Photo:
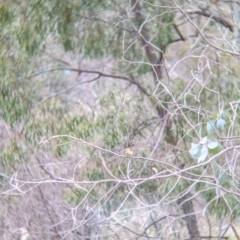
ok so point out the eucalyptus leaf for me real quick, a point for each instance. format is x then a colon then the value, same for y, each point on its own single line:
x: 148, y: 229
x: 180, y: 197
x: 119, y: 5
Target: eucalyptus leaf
x: 210, y: 126
x: 195, y: 148
x: 204, y: 140
x: 212, y: 144
x: 216, y: 150
x: 221, y: 123
x: 204, y: 153
x: 221, y: 114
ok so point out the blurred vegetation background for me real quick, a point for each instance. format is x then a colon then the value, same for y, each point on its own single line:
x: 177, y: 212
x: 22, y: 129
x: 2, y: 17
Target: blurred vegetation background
x: 119, y: 119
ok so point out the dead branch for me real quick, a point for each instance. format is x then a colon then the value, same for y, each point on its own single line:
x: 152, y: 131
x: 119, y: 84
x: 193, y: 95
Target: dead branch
x: 218, y: 19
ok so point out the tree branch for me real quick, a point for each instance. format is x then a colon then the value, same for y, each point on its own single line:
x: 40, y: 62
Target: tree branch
x: 100, y: 74
x: 201, y: 34
x: 220, y: 20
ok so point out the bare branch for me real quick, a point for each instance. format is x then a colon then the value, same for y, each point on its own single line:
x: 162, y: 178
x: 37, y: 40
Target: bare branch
x: 218, y: 19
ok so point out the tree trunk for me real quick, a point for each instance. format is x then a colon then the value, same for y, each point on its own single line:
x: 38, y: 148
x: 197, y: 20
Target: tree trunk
x: 156, y: 59
x: 154, y: 56
x: 189, y: 216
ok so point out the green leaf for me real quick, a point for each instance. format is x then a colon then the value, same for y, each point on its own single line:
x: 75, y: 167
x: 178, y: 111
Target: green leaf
x: 216, y: 150
x: 221, y: 114
x: 204, y: 153
x: 221, y: 123
x: 199, y: 151
x: 213, y: 144
x: 195, y: 150
x: 203, y: 141
x: 210, y: 126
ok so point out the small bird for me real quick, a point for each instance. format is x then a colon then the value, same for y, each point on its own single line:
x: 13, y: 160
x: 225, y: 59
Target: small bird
x: 128, y: 152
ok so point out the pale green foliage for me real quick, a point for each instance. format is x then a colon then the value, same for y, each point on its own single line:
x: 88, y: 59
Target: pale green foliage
x: 90, y: 125
x: 200, y: 150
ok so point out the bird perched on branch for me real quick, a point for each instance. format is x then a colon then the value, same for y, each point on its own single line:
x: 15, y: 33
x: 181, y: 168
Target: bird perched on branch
x: 128, y: 152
